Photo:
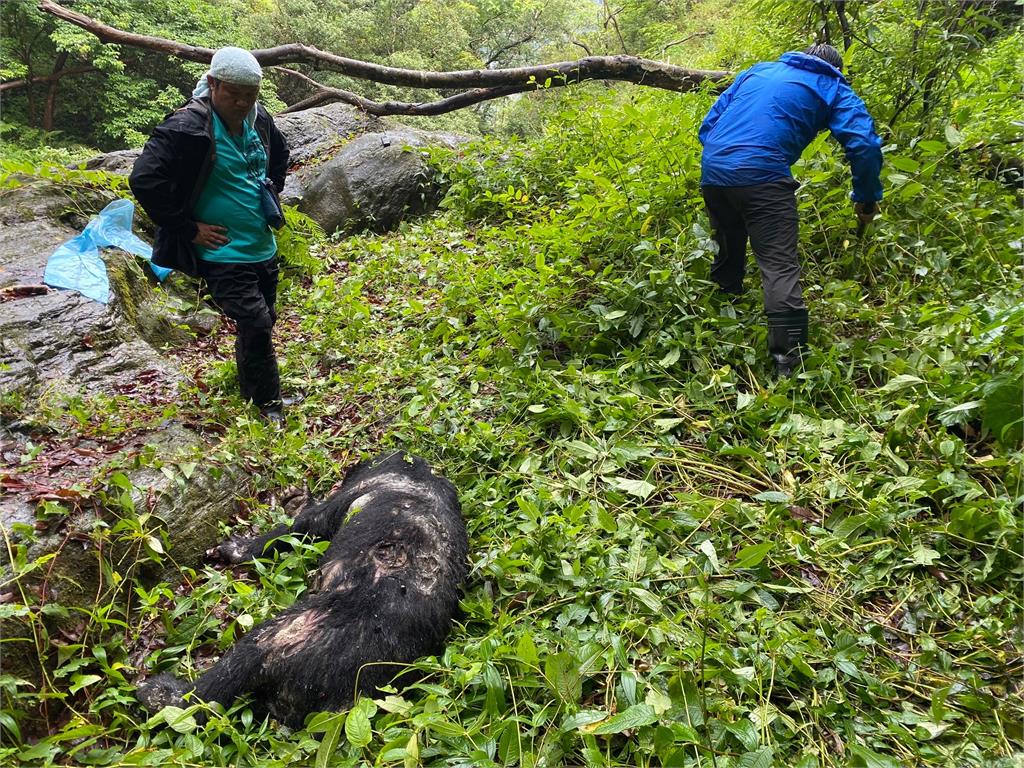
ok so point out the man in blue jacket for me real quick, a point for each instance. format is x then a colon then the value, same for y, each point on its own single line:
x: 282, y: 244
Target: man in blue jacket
x: 754, y: 132
x: 200, y: 179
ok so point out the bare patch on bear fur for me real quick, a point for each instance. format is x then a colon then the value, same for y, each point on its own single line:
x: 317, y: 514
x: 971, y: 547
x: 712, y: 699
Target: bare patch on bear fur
x: 292, y: 635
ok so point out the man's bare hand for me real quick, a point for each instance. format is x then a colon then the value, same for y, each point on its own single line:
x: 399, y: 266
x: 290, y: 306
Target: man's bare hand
x: 211, y: 235
x: 866, y: 212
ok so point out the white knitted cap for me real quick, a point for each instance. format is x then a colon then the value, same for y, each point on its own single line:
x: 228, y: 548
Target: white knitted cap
x: 236, y: 66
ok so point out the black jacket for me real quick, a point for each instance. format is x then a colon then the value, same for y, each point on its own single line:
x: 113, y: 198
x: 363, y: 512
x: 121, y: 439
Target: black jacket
x: 172, y: 170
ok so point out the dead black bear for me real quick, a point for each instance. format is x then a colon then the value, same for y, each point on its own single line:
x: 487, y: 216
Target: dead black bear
x: 384, y: 595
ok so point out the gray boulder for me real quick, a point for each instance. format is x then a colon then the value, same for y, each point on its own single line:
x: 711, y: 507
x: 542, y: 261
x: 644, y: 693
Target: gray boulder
x: 374, y: 181
x: 354, y: 172
x: 119, y: 162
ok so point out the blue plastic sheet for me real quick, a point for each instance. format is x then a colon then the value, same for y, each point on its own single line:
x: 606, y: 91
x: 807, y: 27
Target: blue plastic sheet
x: 77, y: 264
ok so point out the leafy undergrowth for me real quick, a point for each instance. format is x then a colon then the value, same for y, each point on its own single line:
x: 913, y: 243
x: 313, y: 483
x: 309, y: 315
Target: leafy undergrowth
x: 676, y: 559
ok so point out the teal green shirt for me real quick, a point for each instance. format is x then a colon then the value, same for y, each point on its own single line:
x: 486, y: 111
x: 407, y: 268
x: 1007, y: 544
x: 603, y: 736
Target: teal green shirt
x: 231, y: 197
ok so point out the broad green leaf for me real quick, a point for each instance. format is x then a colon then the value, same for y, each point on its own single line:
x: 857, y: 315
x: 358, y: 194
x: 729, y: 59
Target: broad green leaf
x: 329, y: 742
x: 78, y: 682
x: 672, y: 356
x: 358, y: 730
x: 709, y: 551
x: 526, y: 649
x: 745, y: 732
x: 648, y: 598
x: 395, y: 704
x: 1004, y: 413
x: 509, y: 751
x: 776, y: 497
x: 178, y: 719
x: 605, y: 520
x: 10, y: 724
x: 902, y: 381
x: 762, y: 758
x: 923, y: 555
x: 930, y: 147
x: 684, y: 693
x: 412, y: 751
x: 665, y: 425
x: 926, y: 730
x: 868, y: 758
x: 902, y: 163
x: 750, y: 556
x: 847, y: 528
x: 583, y: 718
x: 563, y: 677
x: 639, y: 488
x: 959, y: 413
x: 38, y: 752
x: 636, y: 716
x: 659, y: 702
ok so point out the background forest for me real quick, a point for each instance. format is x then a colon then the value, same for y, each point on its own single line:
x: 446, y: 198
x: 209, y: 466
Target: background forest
x: 676, y: 560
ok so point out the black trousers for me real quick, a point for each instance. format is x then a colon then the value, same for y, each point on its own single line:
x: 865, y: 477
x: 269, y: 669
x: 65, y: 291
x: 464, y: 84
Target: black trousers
x: 766, y: 214
x: 247, y: 292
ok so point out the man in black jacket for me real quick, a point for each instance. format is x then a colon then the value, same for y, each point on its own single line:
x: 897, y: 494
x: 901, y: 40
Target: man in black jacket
x: 202, y: 180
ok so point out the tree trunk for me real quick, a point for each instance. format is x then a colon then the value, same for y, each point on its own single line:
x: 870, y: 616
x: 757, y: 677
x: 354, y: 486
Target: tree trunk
x: 51, y: 93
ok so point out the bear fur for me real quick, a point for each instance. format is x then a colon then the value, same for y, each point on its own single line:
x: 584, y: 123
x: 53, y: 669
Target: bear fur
x: 384, y: 594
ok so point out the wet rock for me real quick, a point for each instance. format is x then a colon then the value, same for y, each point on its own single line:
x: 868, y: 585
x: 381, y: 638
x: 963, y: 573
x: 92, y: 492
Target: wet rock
x: 374, y: 181
x: 119, y: 162
x: 59, y: 352
x: 314, y: 135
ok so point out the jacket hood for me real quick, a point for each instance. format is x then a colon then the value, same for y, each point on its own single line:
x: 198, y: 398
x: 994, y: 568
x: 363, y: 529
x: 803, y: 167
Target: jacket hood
x: 801, y: 60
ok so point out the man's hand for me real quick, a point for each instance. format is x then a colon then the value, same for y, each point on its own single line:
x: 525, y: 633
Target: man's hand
x: 866, y: 212
x: 211, y: 235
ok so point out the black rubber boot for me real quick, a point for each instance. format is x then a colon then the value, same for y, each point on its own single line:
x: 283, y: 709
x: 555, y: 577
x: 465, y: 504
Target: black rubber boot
x: 787, y: 339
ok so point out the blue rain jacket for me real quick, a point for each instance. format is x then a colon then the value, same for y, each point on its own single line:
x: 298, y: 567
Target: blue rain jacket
x: 772, y: 111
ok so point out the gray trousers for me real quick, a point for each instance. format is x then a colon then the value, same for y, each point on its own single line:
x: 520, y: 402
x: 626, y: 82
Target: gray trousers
x: 766, y: 214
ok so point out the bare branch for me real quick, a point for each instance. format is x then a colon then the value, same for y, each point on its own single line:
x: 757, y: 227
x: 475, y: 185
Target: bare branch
x: 431, y: 108
x: 582, y: 45
x: 107, y: 34
x: 10, y: 85
x: 686, y: 39
x: 844, y: 24
x: 477, y: 84
x: 505, y: 49
x: 610, y: 19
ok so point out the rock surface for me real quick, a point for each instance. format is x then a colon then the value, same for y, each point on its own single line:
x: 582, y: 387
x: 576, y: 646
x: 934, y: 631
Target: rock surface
x: 374, y: 181
x: 60, y: 353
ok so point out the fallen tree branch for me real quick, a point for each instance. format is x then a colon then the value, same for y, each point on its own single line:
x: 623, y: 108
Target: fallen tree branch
x: 10, y: 85
x: 327, y: 94
x: 476, y: 84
